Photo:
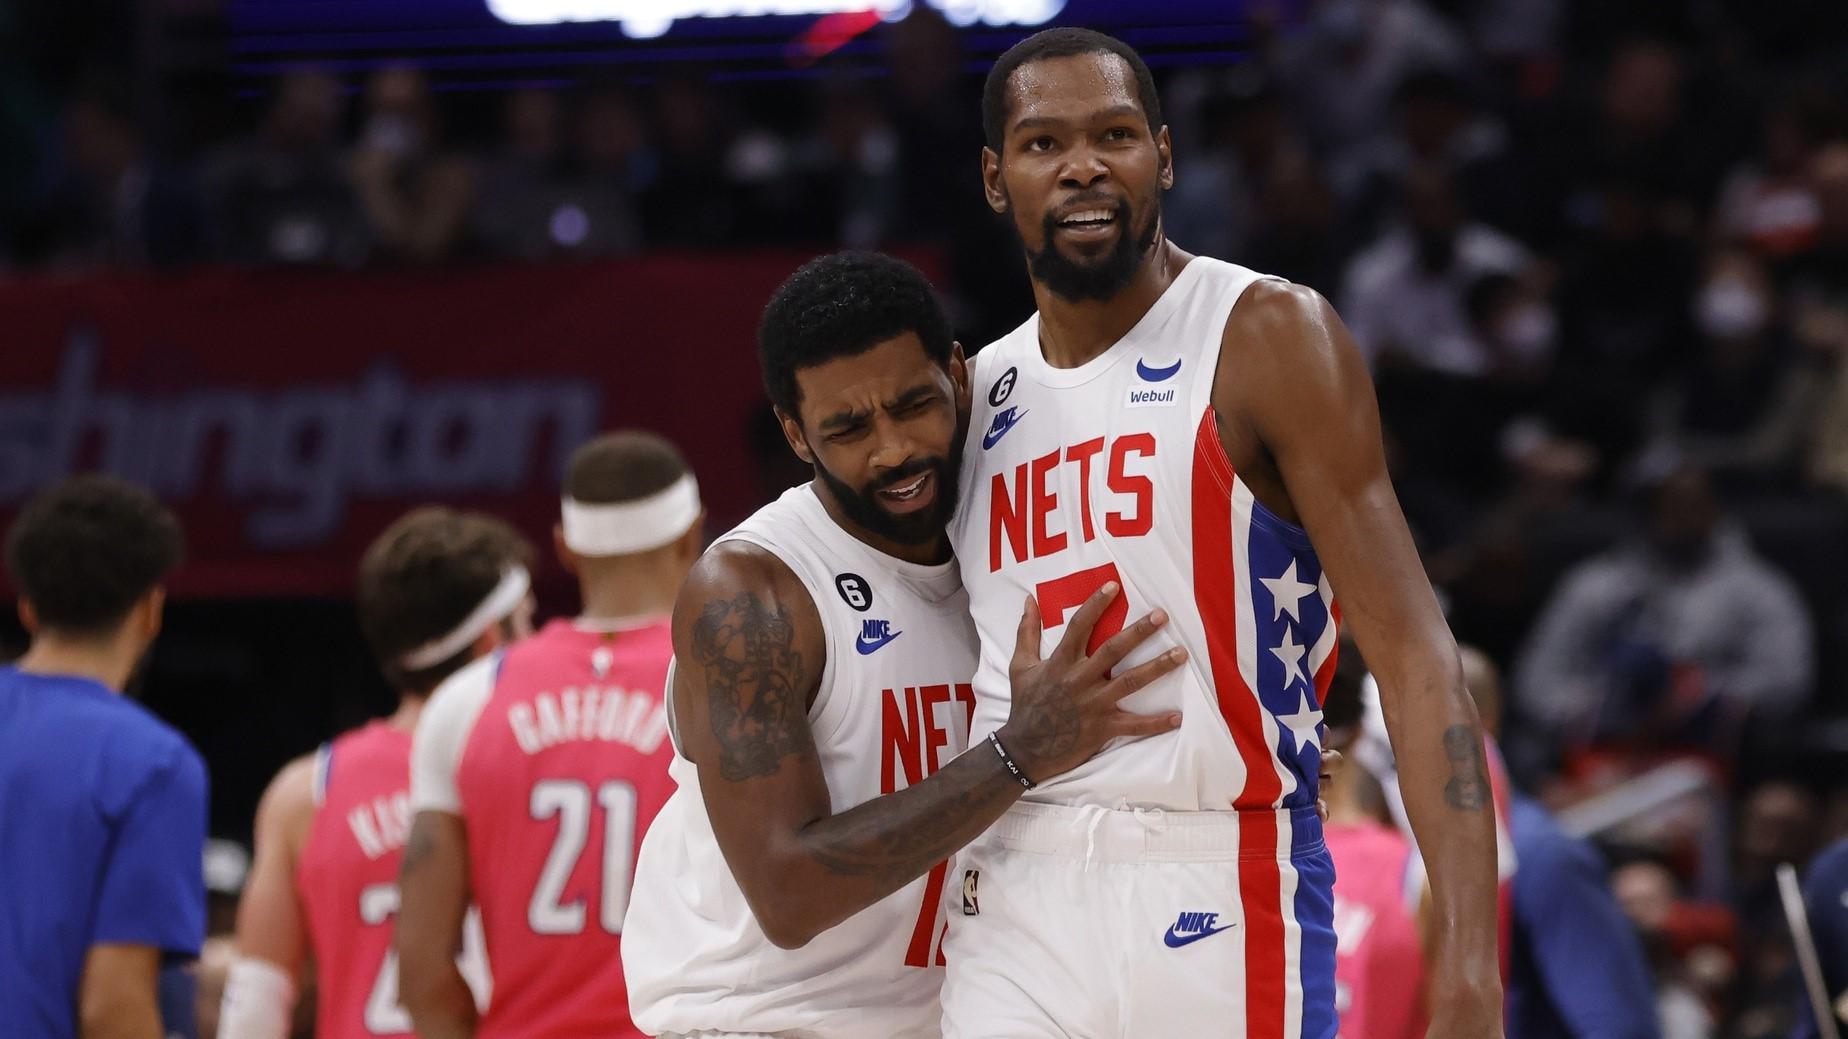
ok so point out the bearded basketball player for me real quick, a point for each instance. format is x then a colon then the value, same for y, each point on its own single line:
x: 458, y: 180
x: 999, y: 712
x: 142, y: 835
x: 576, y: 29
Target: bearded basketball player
x: 1206, y: 439
x: 795, y: 882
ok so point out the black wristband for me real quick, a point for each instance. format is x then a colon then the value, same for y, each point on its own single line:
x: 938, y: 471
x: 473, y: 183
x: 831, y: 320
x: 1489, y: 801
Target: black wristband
x: 1013, y: 767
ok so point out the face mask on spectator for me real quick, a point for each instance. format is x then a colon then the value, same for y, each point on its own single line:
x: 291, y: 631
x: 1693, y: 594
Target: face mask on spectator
x: 394, y: 135
x: 1729, y: 308
x: 1528, y: 330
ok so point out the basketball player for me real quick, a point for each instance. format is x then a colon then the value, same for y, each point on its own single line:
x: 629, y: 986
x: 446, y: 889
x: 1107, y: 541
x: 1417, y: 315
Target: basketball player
x: 437, y: 589
x: 1205, y: 438
x: 794, y: 883
x: 1379, y: 955
x: 537, y: 770
x: 102, y: 805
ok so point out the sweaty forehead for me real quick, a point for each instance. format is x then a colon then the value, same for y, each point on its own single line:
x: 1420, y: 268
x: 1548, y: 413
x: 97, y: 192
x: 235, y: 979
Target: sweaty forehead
x: 1070, y: 88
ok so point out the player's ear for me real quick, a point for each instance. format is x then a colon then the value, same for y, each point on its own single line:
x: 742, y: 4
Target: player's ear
x: 792, y: 432
x: 1164, y: 152
x: 959, y: 377
x: 992, y: 188
x: 566, y: 558
x: 28, y: 615
x: 148, y: 611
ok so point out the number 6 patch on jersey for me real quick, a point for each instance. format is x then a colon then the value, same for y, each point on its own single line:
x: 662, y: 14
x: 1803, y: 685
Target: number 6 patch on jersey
x: 971, y: 907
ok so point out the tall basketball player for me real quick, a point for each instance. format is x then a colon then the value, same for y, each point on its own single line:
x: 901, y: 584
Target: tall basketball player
x: 537, y: 770
x: 1205, y: 438
x: 821, y: 700
x: 436, y: 590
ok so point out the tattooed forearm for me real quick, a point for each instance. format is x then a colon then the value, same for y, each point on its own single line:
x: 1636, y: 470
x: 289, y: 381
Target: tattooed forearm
x: 892, y: 839
x: 752, y: 670
x: 1468, y: 789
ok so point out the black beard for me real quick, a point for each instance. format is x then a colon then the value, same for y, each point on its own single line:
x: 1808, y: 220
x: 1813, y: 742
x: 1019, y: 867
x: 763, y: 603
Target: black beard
x: 912, y: 528
x: 1101, y: 280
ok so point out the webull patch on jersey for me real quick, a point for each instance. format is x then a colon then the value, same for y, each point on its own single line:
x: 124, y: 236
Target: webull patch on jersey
x: 1152, y: 397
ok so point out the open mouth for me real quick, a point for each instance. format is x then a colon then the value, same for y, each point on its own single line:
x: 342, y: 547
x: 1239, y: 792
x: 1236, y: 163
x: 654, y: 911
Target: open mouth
x: 911, y: 495
x: 1093, y: 222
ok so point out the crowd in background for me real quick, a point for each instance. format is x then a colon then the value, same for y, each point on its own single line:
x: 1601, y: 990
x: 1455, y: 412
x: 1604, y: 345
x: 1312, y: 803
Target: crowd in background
x: 1596, y: 254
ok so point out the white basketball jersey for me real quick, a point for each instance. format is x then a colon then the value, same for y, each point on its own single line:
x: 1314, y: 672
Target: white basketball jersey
x: 1113, y: 471
x: 894, y: 706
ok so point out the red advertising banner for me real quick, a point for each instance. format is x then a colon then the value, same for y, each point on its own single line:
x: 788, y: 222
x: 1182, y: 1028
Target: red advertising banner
x: 289, y: 416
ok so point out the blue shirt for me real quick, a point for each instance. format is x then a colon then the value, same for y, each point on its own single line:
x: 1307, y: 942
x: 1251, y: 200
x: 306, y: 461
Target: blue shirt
x: 1577, y: 967
x: 1825, y: 894
x: 102, y: 823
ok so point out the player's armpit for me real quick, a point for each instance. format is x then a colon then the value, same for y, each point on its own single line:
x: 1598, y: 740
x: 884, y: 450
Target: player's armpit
x: 118, y: 997
x: 434, y: 895
x: 269, y: 915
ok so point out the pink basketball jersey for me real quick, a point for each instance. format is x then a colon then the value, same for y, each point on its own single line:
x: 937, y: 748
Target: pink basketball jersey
x: 348, y: 881
x: 1379, y: 961
x: 561, y: 773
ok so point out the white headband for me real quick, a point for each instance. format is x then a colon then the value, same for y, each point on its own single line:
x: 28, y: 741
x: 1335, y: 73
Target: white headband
x: 625, y: 527
x: 499, y: 603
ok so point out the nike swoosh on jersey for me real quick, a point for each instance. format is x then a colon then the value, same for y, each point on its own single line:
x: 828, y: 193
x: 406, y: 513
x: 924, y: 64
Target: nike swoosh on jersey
x: 868, y: 646
x: 1148, y: 374
x: 1175, y: 941
x: 997, y: 429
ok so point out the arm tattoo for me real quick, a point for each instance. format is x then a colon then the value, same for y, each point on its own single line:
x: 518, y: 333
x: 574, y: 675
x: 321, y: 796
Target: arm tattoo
x: 893, y: 842
x: 1468, y: 789
x: 419, y: 847
x: 894, y: 838
x: 752, y: 668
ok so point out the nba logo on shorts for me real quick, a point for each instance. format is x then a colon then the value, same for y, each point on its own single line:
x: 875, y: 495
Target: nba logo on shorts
x: 970, y: 906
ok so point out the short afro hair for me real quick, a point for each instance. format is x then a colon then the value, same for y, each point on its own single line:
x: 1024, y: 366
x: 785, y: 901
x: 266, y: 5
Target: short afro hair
x: 423, y: 576
x: 622, y: 467
x: 86, y: 550
x: 1060, y: 43
x: 841, y: 305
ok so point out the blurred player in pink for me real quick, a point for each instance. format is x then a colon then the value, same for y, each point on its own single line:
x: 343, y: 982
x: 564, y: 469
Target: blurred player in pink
x: 537, y: 770
x: 1379, y: 951
x: 436, y: 590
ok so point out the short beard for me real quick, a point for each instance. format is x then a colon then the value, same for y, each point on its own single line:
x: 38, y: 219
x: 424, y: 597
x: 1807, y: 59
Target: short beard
x: 1078, y: 282
x: 911, y: 529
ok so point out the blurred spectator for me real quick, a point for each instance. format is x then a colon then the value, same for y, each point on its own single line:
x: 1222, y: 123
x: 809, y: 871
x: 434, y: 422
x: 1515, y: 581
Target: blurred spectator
x: 1825, y: 894
x: 539, y: 199
x: 1640, y: 130
x: 1769, y: 203
x: 415, y: 194
x: 837, y: 182
x: 1741, y: 407
x: 1651, y: 897
x: 1674, y: 637
x: 693, y: 200
x: 114, y: 204
x: 1213, y: 206
x: 1406, y: 293
x: 283, y: 196
x: 1778, y: 823
x: 1819, y: 315
x: 1437, y: 124
x: 1340, y: 68
x: 1578, y: 971
x: 1623, y: 304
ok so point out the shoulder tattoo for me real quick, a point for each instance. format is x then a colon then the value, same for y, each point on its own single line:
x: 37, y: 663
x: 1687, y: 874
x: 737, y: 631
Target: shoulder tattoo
x: 746, y: 649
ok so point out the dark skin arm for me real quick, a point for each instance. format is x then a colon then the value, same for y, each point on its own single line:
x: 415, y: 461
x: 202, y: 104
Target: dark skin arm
x: 750, y: 652
x: 434, y: 889
x: 1299, y: 422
